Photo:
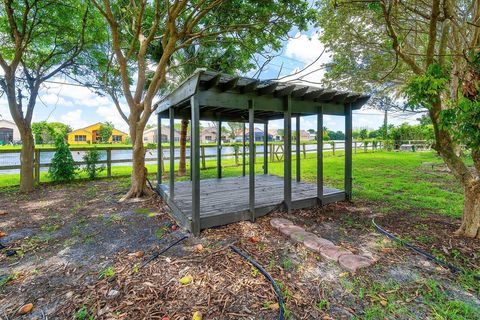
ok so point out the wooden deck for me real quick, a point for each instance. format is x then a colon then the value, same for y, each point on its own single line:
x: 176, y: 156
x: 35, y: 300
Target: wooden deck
x: 226, y: 200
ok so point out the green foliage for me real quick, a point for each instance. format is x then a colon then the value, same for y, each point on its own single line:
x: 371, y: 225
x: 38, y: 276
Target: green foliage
x: 463, y: 120
x: 92, y: 168
x: 106, y: 273
x: 62, y: 167
x: 49, y: 132
x: 105, y: 131
x: 425, y: 90
x: 83, y: 314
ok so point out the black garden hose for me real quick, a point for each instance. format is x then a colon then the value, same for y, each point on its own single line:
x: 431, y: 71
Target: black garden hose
x: 451, y: 267
x: 267, y: 275
x: 157, y: 254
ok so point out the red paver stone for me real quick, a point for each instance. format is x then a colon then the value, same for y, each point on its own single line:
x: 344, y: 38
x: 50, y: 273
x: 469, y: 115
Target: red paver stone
x: 353, y: 262
x: 333, y: 252
x: 280, y: 222
x: 300, y: 236
x: 317, y: 243
x: 288, y: 230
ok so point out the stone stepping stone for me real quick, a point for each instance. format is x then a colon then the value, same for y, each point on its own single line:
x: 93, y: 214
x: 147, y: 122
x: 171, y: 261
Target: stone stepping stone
x: 333, y: 252
x: 277, y: 223
x: 288, y: 230
x: 353, y: 262
x: 300, y: 236
x: 317, y: 243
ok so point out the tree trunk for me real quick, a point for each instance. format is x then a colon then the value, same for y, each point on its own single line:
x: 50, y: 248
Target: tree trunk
x: 138, y: 187
x: 182, y: 170
x: 470, y: 226
x: 26, y: 159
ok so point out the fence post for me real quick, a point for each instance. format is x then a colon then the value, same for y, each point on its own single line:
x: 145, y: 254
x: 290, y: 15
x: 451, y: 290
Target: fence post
x: 272, y: 150
x: 333, y: 148
x: 365, y: 146
x: 236, y: 154
x: 202, y: 155
x: 109, y: 162
x: 355, y: 146
x: 37, y: 166
x: 304, y: 151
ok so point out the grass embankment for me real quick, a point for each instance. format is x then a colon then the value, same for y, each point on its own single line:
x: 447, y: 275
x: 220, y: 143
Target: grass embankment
x: 405, y: 181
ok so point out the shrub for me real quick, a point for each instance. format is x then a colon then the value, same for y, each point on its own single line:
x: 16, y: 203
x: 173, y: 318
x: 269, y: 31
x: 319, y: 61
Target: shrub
x: 91, y: 158
x: 62, y: 167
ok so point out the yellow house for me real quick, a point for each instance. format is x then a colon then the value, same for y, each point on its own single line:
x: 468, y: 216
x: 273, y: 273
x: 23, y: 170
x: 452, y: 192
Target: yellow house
x: 89, y: 135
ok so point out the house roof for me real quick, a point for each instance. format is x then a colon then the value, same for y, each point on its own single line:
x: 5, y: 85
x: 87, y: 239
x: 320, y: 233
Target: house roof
x: 79, y: 130
x: 227, y: 97
x: 97, y: 123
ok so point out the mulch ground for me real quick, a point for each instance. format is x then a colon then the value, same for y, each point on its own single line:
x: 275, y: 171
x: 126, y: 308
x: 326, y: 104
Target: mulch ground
x: 90, y: 263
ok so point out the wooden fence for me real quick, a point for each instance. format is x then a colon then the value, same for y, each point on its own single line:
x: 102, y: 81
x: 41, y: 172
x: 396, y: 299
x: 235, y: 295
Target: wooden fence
x: 275, y: 151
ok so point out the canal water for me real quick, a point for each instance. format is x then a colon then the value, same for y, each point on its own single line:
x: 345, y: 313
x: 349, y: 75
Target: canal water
x: 12, y: 159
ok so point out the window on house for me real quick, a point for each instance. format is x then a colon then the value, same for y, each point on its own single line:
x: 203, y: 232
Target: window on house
x: 116, y: 138
x: 208, y: 138
x: 80, y: 138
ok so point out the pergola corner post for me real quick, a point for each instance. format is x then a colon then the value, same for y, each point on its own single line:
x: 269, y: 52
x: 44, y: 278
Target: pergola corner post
x: 219, y: 150
x: 159, y: 150
x: 287, y: 142
x: 348, y: 152
x: 320, y: 156
x: 297, y: 148
x: 265, y: 148
x: 244, y: 150
x: 195, y: 156
x: 172, y: 154
x: 251, y: 158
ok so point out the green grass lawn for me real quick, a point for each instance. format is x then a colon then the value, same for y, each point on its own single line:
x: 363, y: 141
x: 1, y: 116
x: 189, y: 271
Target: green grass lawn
x: 404, y: 181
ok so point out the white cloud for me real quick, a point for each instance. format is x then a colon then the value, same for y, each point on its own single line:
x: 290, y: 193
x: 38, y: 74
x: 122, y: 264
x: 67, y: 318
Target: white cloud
x: 304, y: 48
x: 74, y: 119
x: 310, y: 51
x: 110, y: 113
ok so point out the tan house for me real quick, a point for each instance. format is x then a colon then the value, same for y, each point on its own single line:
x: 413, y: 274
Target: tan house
x: 150, y: 135
x: 209, y: 135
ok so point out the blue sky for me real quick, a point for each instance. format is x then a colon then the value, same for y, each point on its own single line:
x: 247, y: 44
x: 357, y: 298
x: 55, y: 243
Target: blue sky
x: 79, y: 107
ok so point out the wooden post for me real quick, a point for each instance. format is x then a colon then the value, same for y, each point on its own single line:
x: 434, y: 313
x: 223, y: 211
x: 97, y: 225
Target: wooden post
x: 172, y: 155
x: 219, y: 150
x: 348, y: 151
x: 244, y: 150
x: 159, y: 150
x: 37, y: 166
x: 202, y: 150
x: 297, y: 148
x: 320, y: 156
x: 109, y: 162
x: 195, y: 143
x: 333, y: 147
x: 251, y: 168
x: 304, y: 150
x: 265, y: 148
x: 287, y: 159
x: 365, y: 146
x: 355, y: 146
x: 272, y: 151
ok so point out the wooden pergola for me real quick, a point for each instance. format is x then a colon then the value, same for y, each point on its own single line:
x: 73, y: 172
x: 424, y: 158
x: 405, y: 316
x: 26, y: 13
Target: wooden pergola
x: 211, y: 96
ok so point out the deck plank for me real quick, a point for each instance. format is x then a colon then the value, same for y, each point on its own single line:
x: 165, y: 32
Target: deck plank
x: 231, y: 195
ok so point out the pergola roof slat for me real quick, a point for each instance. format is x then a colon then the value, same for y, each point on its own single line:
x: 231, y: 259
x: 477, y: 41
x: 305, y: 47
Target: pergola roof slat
x: 267, y: 89
x: 285, y: 91
x: 229, y: 84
